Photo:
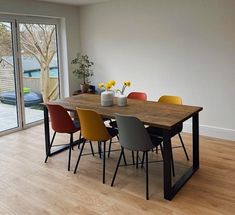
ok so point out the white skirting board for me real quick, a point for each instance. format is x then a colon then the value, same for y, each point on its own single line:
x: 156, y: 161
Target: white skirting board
x: 212, y: 131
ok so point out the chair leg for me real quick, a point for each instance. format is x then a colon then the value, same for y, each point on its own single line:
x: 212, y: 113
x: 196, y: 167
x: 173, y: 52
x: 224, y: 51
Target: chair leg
x: 110, y: 143
x: 124, y: 158
x: 50, y: 147
x: 143, y: 157
x: 118, y: 163
x: 70, y: 148
x: 133, y: 157
x: 80, y: 137
x: 137, y: 159
x: 161, y: 148
x: 182, y: 143
x: 104, y: 162
x: 147, y: 177
x: 99, y: 148
x: 79, y: 157
x: 92, y: 151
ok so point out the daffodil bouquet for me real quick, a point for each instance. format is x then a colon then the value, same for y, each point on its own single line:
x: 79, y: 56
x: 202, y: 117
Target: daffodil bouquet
x: 106, y: 86
x: 125, y: 84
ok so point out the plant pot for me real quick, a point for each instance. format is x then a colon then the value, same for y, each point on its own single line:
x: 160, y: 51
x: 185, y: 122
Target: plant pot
x: 84, y: 88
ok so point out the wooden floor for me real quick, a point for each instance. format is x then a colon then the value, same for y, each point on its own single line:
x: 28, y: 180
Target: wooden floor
x: 28, y: 186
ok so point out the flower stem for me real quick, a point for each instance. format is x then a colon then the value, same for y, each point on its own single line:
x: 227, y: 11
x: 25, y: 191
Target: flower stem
x: 123, y: 88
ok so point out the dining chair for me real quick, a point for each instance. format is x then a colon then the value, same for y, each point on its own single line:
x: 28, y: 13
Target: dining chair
x: 94, y: 129
x: 137, y: 95
x: 168, y: 99
x: 61, y: 122
x: 134, y: 137
x: 133, y: 95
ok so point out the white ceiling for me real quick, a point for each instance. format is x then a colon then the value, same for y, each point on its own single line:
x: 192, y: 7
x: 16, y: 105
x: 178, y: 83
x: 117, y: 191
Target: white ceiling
x: 75, y: 2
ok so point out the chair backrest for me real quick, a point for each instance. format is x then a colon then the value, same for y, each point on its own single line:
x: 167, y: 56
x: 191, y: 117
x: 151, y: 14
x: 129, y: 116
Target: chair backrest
x: 92, y: 125
x: 60, y: 120
x: 176, y: 100
x: 170, y: 100
x: 137, y: 95
x: 132, y: 134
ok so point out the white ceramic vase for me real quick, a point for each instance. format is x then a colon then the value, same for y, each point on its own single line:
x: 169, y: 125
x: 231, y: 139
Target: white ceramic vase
x: 122, y: 100
x: 107, y: 98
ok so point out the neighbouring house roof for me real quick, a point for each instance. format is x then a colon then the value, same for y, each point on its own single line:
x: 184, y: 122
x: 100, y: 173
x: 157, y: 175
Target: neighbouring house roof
x: 29, y: 63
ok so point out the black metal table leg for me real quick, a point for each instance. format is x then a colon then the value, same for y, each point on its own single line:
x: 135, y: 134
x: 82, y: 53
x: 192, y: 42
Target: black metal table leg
x: 167, y: 164
x: 195, y: 142
x: 169, y: 190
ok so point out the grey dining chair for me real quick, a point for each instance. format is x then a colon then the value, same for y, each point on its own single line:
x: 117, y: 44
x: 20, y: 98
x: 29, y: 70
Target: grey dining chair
x: 134, y: 137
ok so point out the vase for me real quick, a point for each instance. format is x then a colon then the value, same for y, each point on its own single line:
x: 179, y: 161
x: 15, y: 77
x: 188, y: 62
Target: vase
x: 107, y: 98
x: 122, y: 100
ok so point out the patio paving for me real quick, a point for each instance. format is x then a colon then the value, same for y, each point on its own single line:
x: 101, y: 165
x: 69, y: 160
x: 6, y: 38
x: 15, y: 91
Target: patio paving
x: 8, y: 116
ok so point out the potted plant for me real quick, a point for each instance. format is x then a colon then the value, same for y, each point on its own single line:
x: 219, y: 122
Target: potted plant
x: 84, y: 70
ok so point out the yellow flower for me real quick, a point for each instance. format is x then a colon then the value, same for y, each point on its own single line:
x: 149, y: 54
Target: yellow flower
x: 100, y: 85
x: 112, y: 82
x: 108, y: 86
x: 127, y: 83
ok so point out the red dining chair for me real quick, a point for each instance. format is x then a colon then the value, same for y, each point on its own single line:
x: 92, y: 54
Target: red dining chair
x: 61, y: 122
x: 137, y: 95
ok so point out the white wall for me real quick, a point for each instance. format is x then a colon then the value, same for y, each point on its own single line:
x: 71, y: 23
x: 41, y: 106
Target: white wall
x: 179, y: 47
x: 68, y: 18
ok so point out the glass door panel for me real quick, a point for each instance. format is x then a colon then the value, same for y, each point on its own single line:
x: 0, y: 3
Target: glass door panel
x: 8, y: 95
x: 40, y: 70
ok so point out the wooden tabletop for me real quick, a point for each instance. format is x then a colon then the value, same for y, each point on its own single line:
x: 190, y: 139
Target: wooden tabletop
x: 151, y: 113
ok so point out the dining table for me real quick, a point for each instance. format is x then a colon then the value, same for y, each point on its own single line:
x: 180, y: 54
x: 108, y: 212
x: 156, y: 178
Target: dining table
x: 159, y: 115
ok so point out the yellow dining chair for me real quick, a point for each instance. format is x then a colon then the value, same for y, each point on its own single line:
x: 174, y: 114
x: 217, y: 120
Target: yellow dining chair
x: 168, y: 99
x: 94, y: 129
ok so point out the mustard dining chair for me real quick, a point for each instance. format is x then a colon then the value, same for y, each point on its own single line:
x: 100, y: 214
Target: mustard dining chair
x: 94, y: 129
x: 169, y: 99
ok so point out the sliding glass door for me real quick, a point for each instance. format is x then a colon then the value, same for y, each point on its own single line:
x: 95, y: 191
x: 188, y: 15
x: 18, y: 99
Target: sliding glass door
x: 9, y: 112
x: 40, y: 70
x: 29, y: 71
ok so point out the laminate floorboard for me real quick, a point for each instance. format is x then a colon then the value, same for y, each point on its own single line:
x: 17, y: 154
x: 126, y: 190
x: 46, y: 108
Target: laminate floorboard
x: 29, y: 186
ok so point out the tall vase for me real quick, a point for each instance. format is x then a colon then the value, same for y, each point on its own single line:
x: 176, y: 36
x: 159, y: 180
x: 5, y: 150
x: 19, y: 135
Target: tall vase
x: 107, y: 98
